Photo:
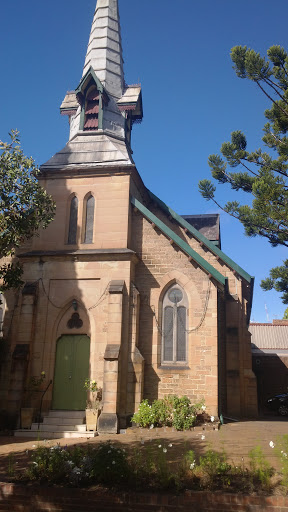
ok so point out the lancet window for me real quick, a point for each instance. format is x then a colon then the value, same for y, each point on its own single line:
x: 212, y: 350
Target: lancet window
x: 89, y: 220
x: 73, y: 221
x: 174, y: 326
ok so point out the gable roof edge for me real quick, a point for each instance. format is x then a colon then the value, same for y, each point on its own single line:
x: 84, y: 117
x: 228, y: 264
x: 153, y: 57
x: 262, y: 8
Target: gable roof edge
x: 222, y: 280
x: 213, y: 248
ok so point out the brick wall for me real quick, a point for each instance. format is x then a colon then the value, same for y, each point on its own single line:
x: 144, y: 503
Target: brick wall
x: 40, y: 499
x: 162, y: 264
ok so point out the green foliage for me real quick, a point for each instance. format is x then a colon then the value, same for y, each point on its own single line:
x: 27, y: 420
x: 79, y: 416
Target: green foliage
x: 263, y: 174
x: 170, y: 411
x: 184, y: 414
x: 25, y: 207
x: 96, y: 394
x: 260, y: 467
x: 108, y: 464
x: 215, y: 467
x: 104, y: 464
x: 282, y: 453
x: 285, y: 316
x: 278, y: 279
x: 150, y: 466
x: 144, y: 417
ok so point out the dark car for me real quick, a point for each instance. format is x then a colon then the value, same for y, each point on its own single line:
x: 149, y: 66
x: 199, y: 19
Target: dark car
x: 279, y: 403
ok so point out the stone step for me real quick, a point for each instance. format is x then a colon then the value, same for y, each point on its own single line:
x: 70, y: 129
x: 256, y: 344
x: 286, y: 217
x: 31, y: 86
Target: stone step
x: 53, y: 420
x: 59, y: 428
x: 66, y: 414
x: 44, y: 434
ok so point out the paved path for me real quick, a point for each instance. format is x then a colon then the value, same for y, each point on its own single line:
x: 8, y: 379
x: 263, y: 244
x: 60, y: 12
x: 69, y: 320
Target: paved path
x: 237, y: 439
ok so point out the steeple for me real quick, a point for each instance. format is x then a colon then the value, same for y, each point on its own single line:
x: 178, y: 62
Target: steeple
x: 102, y: 109
x: 104, y: 52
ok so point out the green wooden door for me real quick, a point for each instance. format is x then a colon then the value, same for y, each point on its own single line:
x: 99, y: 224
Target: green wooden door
x: 71, y: 370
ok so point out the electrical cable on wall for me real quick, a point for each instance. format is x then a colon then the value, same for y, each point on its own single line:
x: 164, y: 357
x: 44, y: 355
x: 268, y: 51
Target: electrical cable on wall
x: 188, y: 331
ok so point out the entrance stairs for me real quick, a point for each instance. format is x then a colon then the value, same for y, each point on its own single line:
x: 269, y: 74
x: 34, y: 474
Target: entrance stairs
x: 58, y: 424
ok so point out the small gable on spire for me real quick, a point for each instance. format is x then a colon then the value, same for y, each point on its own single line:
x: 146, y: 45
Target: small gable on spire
x: 131, y: 101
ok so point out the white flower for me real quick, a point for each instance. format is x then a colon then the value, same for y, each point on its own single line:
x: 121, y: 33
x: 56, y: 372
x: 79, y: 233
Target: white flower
x: 202, y: 437
x: 164, y: 450
x: 212, y: 418
x: 159, y: 446
x: 170, y: 445
x: 113, y: 462
x: 192, y: 466
x: 271, y: 444
x: 151, y: 426
x: 203, y: 407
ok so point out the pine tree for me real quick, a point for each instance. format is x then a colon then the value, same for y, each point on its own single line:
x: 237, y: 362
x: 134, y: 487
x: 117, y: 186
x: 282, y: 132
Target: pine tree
x: 261, y: 173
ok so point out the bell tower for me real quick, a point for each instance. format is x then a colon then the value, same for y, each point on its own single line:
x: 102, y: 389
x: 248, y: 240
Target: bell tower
x: 102, y: 108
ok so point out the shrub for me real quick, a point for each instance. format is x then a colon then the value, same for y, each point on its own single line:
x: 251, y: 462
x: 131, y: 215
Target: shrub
x: 170, y: 411
x: 105, y: 464
x: 215, y: 468
x: 144, y: 417
x: 260, y: 467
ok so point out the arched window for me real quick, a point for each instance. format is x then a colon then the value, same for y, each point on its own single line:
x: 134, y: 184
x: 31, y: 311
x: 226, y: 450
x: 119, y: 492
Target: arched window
x: 174, y: 326
x: 89, y: 221
x: 91, y: 109
x: 73, y: 221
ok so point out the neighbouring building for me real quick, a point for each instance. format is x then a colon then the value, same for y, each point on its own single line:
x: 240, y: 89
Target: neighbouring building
x: 269, y: 343
x: 120, y: 288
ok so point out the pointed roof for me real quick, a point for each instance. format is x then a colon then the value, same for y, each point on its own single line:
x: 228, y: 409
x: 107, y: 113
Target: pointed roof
x: 107, y: 146
x: 104, y: 52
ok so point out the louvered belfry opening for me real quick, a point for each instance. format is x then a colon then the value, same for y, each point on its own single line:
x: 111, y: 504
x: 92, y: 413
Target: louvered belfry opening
x: 92, y: 109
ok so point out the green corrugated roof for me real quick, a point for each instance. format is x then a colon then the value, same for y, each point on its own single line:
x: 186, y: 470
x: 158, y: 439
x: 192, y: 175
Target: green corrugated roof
x: 178, y: 241
x: 210, y: 245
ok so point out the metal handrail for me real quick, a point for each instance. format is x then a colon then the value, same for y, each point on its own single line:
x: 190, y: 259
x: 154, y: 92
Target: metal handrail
x: 40, y: 410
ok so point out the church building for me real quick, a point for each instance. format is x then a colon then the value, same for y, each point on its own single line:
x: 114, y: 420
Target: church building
x: 120, y: 288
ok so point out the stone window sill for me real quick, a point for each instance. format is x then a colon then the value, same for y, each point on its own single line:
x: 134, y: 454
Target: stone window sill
x: 174, y: 367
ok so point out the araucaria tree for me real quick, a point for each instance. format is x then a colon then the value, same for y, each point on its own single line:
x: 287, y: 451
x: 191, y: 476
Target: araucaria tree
x: 261, y: 173
x: 25, y: 207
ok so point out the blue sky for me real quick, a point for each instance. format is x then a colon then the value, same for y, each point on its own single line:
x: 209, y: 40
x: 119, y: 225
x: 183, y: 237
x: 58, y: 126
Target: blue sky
x: 179, y: 52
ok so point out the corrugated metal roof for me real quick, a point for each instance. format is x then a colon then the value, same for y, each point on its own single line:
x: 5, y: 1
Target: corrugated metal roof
x: 269, y: 336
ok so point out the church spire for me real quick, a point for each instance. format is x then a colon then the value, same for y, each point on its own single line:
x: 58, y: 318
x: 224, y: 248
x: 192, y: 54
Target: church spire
x: 104, y: 52
x: 101, y: 110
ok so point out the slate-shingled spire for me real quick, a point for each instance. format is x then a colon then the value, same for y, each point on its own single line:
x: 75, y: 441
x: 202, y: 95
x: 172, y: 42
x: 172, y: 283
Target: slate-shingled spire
x: 107, y: 141
x: 104, y: 52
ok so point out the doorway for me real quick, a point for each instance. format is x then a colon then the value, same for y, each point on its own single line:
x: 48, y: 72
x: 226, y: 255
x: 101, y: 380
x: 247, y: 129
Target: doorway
x: 71, y: 371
